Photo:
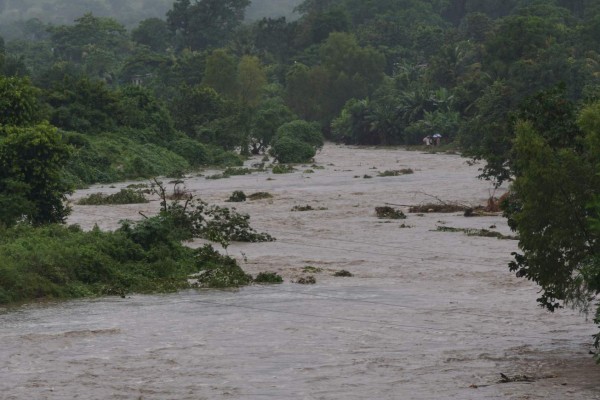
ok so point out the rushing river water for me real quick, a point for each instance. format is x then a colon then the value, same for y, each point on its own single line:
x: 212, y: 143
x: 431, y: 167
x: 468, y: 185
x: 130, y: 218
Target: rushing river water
x: 427, y: 314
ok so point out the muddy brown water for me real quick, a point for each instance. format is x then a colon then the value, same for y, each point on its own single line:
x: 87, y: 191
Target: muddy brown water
x: 427, y: 314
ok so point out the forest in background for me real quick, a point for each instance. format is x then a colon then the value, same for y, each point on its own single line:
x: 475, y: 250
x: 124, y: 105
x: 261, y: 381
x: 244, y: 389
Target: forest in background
x: 515, y: 83
x: 13, y: 13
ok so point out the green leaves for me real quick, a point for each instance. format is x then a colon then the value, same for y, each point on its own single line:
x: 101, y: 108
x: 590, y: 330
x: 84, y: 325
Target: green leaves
x: 32, y: 160
x: 549, y: 208
x: 18, y: 102
x: 205, y: 23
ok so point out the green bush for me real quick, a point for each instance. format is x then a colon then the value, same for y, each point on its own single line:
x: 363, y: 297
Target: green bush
x: 290, y: 150
x: 194, y: 152
x: 225, y: 158
x: 218, y: 271
x: 307, y: 132
x: 296, y: 142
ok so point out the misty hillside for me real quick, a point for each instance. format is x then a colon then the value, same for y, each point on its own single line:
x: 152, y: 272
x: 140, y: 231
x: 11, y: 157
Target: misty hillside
x: 126, y: 12
x: 272, y: 8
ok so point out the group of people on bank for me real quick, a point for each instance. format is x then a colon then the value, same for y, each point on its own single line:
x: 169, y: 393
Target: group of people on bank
x: 434, y: 140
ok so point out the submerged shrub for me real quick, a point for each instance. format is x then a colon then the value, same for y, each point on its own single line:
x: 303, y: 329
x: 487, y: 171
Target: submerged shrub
x: 477, y: 232
x: 397, y: 172
x: 311, y: 269
x: 268, y: 277
x: 437, y: 208
x: 306, y: 280
x: 217, y: 270
x: 260, y: 196
x: 194, y: 218
x: 302, y: 208
x: 124, y: 196
x: 389, y: 213
x: 237, y: 197
x: 343, y: 273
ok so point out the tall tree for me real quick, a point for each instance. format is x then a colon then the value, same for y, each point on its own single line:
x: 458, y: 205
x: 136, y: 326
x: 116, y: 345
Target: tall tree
x: 206, y: 23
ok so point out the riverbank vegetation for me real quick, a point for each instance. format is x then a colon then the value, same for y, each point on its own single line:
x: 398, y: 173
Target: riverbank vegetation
x: 57, y: 262
x: 515, y: 83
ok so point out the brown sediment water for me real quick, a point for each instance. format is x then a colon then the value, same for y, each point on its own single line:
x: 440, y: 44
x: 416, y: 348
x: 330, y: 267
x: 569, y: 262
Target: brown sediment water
x: 426, y: 314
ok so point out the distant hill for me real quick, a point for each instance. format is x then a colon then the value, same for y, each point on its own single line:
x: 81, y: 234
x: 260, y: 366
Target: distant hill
x: 127, y: 12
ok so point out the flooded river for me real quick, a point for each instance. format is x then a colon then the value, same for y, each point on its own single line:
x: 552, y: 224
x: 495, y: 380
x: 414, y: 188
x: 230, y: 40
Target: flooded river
x: 427, y: 314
